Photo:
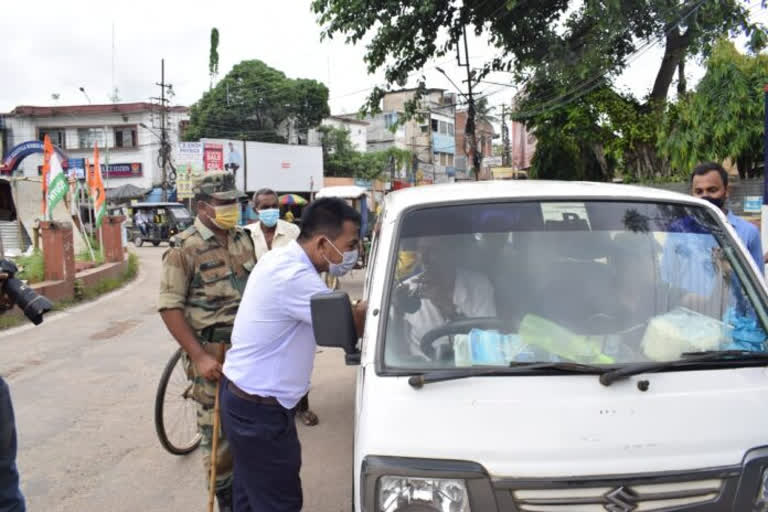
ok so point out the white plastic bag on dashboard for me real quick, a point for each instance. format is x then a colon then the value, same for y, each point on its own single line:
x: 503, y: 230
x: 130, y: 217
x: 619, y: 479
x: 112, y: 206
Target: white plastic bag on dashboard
x: 681, y: 330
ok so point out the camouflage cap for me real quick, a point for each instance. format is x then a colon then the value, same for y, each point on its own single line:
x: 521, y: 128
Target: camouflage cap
x: 215, y: 184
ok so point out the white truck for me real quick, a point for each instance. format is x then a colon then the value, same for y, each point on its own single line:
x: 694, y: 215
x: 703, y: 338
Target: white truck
x: 543, y: 346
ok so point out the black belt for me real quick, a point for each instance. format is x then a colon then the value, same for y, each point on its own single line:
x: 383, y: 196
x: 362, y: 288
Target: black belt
x: 266, y: 400
x: 216, y: 334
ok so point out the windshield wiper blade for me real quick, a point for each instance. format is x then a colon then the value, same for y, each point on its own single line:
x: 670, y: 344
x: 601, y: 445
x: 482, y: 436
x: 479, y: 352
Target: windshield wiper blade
x: 726, y: 354
x: 418, y: 381
x: 705, y: 356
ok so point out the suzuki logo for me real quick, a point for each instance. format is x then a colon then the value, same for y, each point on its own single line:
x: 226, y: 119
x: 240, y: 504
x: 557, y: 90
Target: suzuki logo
x: 620, y: 500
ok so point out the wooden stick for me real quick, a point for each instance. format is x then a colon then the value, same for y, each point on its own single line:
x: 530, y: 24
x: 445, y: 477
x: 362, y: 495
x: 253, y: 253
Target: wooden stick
x: 215, y: 442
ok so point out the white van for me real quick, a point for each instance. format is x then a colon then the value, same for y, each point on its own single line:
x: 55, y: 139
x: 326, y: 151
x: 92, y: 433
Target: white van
x: 544, y: 346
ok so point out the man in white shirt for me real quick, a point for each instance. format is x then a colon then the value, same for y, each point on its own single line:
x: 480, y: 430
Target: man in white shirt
x: 140, y: 219
x: 268, y: 368
x: 267, y: 233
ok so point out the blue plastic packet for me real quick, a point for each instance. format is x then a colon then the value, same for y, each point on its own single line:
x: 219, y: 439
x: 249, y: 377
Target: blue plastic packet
x: 487, y: 347
x: 744, y: 332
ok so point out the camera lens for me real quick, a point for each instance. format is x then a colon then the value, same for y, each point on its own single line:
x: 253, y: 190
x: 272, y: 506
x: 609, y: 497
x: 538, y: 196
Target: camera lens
x: 33, y: 305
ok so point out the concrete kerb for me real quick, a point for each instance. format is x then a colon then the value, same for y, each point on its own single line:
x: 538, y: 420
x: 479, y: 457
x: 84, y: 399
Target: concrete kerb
x: 58, y: 315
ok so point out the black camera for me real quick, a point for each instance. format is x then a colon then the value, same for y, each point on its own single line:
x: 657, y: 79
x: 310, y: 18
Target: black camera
x: 33, y: 305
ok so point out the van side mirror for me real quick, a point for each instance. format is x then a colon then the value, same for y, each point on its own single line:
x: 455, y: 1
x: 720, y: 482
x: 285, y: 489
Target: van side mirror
x: 333, y: 323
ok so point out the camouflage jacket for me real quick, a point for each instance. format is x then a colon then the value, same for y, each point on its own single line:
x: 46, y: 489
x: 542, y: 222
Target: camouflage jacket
x: 205, y: 279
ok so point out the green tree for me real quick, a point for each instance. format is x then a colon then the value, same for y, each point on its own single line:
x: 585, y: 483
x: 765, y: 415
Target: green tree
x: 340, y: 158
x: 723, y: 118
x: 338, y: 152
x: 253, y: 100
x: 309, y: 104
x: 560, y: 51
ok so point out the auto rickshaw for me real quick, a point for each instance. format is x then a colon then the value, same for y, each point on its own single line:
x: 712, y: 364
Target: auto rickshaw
x: 161, y: 222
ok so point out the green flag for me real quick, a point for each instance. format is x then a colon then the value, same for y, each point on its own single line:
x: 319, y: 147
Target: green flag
x: 57, y: 186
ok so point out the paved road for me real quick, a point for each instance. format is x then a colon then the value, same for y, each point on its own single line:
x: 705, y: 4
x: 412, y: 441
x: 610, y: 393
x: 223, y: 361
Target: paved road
x: 83, y: 385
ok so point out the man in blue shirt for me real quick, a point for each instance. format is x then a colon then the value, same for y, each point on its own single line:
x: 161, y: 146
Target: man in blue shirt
x: 268, y: 368
x: 693, y: 259
x: 709, y: 181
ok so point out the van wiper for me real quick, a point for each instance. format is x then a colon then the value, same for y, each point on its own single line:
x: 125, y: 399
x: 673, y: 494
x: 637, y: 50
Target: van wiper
x: 515, y: 368
x: 689, y: 358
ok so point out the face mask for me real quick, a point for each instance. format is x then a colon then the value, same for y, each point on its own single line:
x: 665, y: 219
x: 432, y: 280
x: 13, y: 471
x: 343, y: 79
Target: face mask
x: 269, y: 216
x: 717, y: 201
x: 226, y: 216
x: 348, y: 262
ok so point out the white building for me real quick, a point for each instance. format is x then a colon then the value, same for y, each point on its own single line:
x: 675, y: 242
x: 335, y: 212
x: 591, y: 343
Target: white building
x: 127, y: 134
x: 358, y: 131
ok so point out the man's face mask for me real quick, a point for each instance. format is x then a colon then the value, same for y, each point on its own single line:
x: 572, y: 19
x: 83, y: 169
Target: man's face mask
x: 717, y: 201
x: 225, y: 216
x: 348, y: 261
x: 269, y: 217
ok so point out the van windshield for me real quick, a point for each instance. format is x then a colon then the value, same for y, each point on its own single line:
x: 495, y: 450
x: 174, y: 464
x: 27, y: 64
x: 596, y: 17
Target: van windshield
x: 593, y: 282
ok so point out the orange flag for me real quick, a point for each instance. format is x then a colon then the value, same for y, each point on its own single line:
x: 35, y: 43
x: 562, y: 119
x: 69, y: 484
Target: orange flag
x: 96, y: 185
x: 47, y: 152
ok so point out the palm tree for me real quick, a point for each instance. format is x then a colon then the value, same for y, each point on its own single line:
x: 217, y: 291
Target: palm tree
x: 483, y: 111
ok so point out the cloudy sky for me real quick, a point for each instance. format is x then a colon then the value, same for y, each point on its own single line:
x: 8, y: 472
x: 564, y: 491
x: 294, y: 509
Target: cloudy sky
x: 58, y: 47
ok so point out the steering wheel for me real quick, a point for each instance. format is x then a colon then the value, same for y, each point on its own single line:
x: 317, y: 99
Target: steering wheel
x: 462, y: 326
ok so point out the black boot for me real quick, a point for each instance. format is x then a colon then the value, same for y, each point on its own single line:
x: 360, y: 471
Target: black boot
x: 224, y: 498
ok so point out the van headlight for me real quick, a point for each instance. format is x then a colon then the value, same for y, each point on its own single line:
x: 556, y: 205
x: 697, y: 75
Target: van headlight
x: 410, y: 494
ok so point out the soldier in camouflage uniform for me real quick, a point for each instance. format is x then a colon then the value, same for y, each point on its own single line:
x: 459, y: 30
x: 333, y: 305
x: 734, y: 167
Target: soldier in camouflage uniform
x: 204, y: 275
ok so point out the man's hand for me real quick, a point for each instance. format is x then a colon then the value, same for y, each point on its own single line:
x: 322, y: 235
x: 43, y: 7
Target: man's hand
x: 359, y: 310
x: 720, y: 260
x: 207, y: 366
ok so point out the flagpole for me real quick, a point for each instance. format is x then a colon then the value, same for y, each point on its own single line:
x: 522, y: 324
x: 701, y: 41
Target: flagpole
x: 88, y: 180
x: 48, y: 200
x: 104, y: 187
x: 80, y: 220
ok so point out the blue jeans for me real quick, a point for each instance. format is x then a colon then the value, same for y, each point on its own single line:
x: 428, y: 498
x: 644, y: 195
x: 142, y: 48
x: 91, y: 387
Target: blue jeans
x: 11, y: 499
x: 267, y: 454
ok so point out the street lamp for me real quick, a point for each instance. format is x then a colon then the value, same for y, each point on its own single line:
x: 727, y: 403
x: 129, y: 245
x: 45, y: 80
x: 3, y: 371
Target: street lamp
x: 82, y: 90
x: 150, y: 130
x: 452, y: 82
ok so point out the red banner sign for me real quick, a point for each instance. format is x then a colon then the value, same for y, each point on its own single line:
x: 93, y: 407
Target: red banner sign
x: 213, y: 157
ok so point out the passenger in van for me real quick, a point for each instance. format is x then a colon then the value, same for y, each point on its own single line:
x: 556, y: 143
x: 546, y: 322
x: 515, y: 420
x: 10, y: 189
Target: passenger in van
x: 445, y: 291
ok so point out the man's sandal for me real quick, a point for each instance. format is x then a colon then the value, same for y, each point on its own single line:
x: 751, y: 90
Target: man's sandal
x: 309, y: 418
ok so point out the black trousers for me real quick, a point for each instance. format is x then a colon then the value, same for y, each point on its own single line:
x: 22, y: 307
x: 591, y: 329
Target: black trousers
x: 267, y: 454
x: 11, y: 499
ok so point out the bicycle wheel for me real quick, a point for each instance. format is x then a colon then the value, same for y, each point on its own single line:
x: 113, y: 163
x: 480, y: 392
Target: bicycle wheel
x: 175, y: 410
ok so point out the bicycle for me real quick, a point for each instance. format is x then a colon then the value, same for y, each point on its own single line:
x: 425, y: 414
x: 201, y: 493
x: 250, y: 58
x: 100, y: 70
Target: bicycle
x: 175, y: 409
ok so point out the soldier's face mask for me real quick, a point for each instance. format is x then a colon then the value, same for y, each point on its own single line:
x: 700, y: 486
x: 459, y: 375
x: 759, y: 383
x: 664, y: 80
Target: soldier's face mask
x: 225, y: 216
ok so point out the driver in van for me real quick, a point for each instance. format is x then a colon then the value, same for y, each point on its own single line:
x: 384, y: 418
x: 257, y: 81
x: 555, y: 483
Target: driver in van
x: 444, y: 290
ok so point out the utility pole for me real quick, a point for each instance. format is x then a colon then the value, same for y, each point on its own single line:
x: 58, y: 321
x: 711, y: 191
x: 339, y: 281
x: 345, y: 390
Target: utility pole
x: 164, y: 144
x: 504, y: 137
x: 469, y: 130
x: 245, y: 166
